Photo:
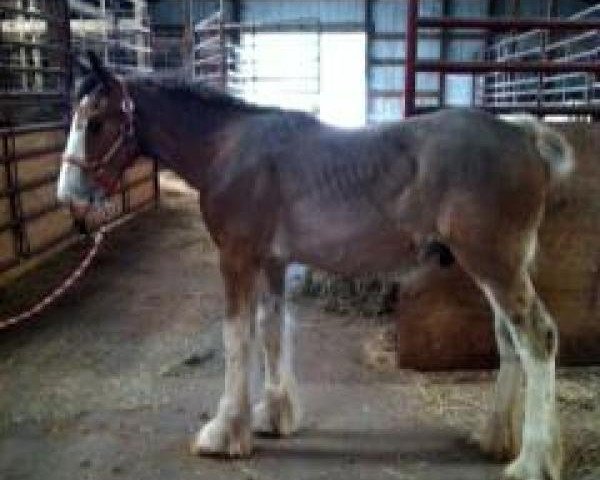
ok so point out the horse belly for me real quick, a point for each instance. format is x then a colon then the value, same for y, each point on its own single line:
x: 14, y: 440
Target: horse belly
x: 346, y: 240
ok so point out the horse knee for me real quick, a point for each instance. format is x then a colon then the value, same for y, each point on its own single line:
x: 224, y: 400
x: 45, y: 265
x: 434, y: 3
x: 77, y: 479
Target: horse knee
x: 268, y: 319
x: 536, y: 330
x: 544, y: 331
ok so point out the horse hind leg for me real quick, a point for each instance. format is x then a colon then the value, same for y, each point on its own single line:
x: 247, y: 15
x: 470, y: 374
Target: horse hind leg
x: 502, y: 436
x: 277, y: 412
x: 498, y: 261
x: 535, y: 338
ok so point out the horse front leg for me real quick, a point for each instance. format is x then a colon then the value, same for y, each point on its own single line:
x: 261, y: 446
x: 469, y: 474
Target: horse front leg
x: 229, y: 432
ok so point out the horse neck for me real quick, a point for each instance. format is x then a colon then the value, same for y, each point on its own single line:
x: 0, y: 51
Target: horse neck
x: 180, y: 133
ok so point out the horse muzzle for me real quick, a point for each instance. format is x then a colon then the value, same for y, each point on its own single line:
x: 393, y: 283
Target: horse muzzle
x: 77, y: 190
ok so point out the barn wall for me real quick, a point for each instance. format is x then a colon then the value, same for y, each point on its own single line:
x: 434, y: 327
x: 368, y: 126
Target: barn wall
x: 31, y: 221
x: 444, y: 322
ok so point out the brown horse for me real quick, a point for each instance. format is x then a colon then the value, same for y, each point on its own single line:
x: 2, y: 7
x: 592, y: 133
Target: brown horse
x: 278, y: 187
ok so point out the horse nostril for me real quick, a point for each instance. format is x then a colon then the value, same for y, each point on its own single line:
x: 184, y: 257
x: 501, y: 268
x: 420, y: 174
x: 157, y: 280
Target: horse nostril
x: 81, y: 226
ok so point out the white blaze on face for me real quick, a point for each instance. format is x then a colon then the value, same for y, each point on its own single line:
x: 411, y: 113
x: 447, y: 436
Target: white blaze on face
x: 72, y: 182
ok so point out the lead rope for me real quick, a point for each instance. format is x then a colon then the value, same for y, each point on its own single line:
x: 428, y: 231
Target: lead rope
x: 75, y: 275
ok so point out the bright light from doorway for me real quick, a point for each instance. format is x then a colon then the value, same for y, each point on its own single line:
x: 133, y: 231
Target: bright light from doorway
x: 343, y: 90
x: 323, y: 74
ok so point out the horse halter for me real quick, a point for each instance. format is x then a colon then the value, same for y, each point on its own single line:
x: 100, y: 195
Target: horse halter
x: 126, y: 137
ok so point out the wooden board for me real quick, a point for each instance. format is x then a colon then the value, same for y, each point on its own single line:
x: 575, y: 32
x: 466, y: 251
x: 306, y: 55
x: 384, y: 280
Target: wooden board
x: 48, y: 228
x: 4, y: 211
x: 140, y: 194
x: 38, y: 167
x: 26, y: 143
x: 7, y: 247
x: 38, y: 199
x: 3, y: 184
x: 36, y: 171
x: 142, y: 168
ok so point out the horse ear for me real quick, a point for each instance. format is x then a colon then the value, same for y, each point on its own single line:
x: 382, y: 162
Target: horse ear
x: 97, y: 67
x: 80, y: 66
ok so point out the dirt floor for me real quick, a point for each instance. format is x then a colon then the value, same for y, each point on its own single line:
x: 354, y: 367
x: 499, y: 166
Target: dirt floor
x: 112, y: 381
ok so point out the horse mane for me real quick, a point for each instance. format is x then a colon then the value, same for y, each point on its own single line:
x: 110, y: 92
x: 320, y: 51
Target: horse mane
x: 192, y: 91
x: 198, y: 91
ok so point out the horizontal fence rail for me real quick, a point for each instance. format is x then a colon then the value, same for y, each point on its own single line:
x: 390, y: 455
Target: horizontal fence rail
x: 31, y: 220
x: 508, y: 63
x: 542, y: 91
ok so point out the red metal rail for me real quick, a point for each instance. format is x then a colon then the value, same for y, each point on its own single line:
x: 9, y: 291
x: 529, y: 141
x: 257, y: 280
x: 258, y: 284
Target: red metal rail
x: 508, y: 24
x: 413, y: 65
x: 543, y: 66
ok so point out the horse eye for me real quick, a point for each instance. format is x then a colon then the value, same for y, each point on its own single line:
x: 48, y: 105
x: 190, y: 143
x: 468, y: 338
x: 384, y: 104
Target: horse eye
x: 94, y: 126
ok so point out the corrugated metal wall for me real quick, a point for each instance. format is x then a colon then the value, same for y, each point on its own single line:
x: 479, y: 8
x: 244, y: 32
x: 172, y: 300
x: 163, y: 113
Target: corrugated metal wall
x: 267, y: 11
x: 384, y: 23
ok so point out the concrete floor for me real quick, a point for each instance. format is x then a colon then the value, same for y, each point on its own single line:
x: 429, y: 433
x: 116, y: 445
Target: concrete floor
x: 112, y: 382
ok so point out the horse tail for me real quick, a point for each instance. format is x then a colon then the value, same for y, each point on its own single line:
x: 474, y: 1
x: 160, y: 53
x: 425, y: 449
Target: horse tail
x: 552, y: 146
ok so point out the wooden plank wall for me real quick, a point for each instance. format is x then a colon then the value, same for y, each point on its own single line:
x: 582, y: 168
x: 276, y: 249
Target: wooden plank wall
x: 31, y: 221
x: 444, y: 322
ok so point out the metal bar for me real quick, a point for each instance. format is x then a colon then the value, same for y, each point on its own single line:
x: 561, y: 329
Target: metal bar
x: 412, y: 17
x: 507, y: 24
x: 525, y: 81
x: 42, y: 46
x: 393, y: 93
x: 382, y: 62
x: 545, y: 91
x: 213, y: 17
x: 443, y: 42
x: 64, y: 33
x: 29, y: 13
x: 533, y: 109
x: 8, y: 147
x: 522, y: 36
x: 369, y: 34
x: 20, y: 94
x: 571, y: 39
x: 429, y: 34
x: 33, y: 128
x: 511, y: 66
x: 14, y: 68
x: 546, y: 109
x: 86, y: 8
x: 286, y: 27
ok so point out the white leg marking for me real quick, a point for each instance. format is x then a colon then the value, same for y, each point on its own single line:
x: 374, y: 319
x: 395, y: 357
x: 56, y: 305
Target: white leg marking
x: 278, y: 411
x: 229, y: 431
x: 502, y: 437
x: 540, y: 455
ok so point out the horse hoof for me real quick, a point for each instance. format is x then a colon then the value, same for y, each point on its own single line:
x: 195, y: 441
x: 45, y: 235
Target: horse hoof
x: 275, y: 415
x: 524, y: 469
x: 500, y: 444
x: 218, y: 439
